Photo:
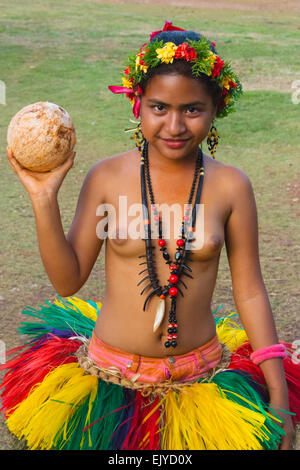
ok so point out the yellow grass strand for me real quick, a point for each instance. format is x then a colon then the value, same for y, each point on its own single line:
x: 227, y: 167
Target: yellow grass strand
x: 231, y: 334
x: 50, y: 406
x: 85, y: 307
x: 200, y: 418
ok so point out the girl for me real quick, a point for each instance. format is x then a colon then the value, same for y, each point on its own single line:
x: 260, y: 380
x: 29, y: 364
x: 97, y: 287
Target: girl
x: 131, y: 375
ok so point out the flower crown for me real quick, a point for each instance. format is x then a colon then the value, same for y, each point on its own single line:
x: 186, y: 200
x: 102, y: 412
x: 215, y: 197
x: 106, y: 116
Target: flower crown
x: 203, y: 61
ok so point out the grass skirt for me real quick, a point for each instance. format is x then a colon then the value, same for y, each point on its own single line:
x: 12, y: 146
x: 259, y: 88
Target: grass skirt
x: 52, y: 402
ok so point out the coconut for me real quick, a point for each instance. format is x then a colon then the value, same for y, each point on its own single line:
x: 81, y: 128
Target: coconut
x: 41, y: 136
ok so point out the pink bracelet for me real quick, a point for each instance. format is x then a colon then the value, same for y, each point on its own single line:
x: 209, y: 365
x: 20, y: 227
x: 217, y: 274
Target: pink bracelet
x: 260, y: 355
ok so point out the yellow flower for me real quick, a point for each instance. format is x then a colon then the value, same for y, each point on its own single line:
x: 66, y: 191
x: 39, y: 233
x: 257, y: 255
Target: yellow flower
x: 140, y: 65
x: 166, y: 53
x: 227, y: 99
x: 144, y: 68
x: 126, y: 83
x: 225, y: 82
x: 211, y: 59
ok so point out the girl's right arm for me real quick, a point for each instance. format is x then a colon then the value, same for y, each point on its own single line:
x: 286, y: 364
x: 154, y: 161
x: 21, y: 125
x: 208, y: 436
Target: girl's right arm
x: 68, y: 261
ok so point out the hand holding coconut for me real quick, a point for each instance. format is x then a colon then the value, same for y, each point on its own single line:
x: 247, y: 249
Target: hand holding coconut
x: 41, y: 138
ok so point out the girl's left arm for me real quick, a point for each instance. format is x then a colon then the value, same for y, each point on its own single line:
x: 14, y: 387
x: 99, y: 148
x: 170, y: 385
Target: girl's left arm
x: 249, y: 291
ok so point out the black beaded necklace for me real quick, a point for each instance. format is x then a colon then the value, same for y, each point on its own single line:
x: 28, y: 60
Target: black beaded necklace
x: 179, y: 267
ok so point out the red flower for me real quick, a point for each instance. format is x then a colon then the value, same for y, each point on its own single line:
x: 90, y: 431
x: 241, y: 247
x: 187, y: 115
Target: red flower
x: 183, y: 51
x: 168, y: 27
x: 142, y: 53
x: 218, y: 65
x: 233, y: 84
x: 143, y: 48
x: 137, y: 102
x: 134, y: 95
x: 126, y: 71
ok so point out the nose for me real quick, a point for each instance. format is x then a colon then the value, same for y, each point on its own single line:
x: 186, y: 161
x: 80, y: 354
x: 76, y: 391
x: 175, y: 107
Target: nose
x: 176, y: 124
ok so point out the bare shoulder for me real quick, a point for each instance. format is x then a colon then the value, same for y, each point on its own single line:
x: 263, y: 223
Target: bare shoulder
x: 109, y: 171
x: 232, y: 179
x: 113, y: 165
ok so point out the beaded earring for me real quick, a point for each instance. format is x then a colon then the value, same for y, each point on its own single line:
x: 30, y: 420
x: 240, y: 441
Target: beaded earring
x: 212, y: 140
x: 139, y: 138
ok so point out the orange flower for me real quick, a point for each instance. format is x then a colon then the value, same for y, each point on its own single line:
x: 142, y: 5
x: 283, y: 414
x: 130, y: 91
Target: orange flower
x: 183, y: 51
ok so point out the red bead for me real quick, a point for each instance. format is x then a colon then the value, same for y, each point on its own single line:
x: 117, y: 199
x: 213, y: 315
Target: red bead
x: 173, y: 291
x: 173, y: 279
x: 169, y: 336
x: 175, y: 325
x: 180, y: 242
x: 173, y: 267
x: 174, y: 336
x: 161, y: 242
x: 170, y: 325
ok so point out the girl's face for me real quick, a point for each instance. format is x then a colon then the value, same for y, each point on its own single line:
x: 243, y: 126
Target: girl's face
x: 176, y: 115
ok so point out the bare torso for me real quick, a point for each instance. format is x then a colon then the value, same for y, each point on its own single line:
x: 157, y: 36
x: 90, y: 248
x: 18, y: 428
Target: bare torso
x: 122, y: 323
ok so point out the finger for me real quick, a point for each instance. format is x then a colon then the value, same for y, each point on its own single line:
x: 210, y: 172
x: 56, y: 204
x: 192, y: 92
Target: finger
x: 13, y: 164
x: 71, y: 156
x: 13, y: 161
x: 9, y: 153
x: 16, y: 165
x: 286, y: 442
x: 70, y: 160
x: 68, y: 163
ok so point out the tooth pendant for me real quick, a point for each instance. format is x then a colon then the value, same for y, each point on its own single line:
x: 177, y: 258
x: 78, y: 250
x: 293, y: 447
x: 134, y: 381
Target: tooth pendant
x: 159, y: 314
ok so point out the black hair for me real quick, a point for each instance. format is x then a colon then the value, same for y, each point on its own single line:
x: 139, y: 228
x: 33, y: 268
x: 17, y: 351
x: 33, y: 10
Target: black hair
x: 178, y: 37
x: 182, y: 67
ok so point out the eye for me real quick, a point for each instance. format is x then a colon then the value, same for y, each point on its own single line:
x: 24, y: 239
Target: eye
x: 159, y: 107
x: 192, y: 110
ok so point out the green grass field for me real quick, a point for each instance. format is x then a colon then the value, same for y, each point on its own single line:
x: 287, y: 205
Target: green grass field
x: 68, y: 52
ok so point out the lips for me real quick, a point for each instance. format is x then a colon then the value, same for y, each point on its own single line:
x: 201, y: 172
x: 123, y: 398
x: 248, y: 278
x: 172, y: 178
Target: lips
x: 175, y: 143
